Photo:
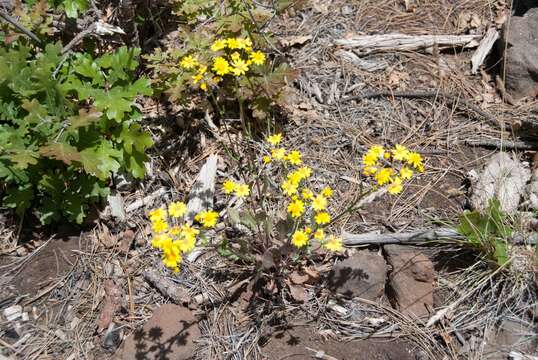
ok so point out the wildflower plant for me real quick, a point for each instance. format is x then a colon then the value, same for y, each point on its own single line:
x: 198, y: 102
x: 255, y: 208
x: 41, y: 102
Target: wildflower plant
x: 227, y: 75
x: 174, y: 235
x: 280, y: 202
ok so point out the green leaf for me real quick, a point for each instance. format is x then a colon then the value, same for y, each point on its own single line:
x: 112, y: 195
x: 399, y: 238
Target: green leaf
x: 23, y: 158
x: 101, y: 161
x: 19, y: 198
x: 114, y: 103
x: 501, y: 251
x: 132, y: 136
x: 135, y: 164
x: 249, y: 220
x: 74, y: 7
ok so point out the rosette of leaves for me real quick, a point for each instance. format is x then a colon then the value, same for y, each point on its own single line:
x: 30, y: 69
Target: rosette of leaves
x: 66, y: 126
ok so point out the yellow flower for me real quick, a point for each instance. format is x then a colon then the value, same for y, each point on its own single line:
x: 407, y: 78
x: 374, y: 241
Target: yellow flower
x: 278, y: 153
x: 171, y: 255
x: 221, y: 66
x: 299, y: 238
x: 319, y: 203
x: 188, y: 244
x: 406, y: 173
x: 235, y: 56
x: 327, y: 191
x: 157, y: 214
x: 228, y: 187
x: 308, y: 230
x: 177, y: 209
x: 322, y: 218
x: 383, y: 176
x: 395, y: 186
x: 369, y: 159
x: 400, y: 152
x: 196, y: 78
x: 240, y: 67
x: 175, y: 230
x: 242, y: 190
x: 274, y: 139
x: 333, y: 243
x: 207, y: 218
x: 232, y: 43
x: 307, y: 194
x: 257, y: 58
x: 203, y: 86
x: 244, y: 43
x: 319, y: 234
x: 415, y: 159
x: 188, y: 240
x: 305, y: 172
x: 188, y: 62
x: 218, y: 45
x: 159, y: 226
x: 294, y: 157
x: 295, y: 178
x: 158, y: 240
x: 369, y: 170
x: 296, y: 208
x: 266, y: 159
x: 288, y: 188
x: 377, y: 151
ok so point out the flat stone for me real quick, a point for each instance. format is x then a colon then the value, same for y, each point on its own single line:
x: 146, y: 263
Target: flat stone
x: 362, y: 275
x: 519, y: 40
x: 411, y: 280
x: 169, y: 334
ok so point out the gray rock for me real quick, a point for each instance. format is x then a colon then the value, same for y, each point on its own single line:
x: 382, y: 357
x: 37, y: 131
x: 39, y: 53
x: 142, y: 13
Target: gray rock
x: 519, y: 41
x: 411, y: 280
x: 502, y: 178
x: 362, y: 275
x: 169, y: 334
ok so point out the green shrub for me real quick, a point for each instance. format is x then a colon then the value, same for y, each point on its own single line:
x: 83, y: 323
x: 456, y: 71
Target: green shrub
x: 67, y: 125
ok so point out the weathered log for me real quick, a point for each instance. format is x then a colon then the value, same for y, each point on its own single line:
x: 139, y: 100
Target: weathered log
x: 402, y: 42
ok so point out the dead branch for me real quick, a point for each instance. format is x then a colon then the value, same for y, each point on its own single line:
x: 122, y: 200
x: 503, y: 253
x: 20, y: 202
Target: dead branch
x: 401, y: 42
x: 486, y: 44
x: 421, y: 236
x: 433, y: 94
x: 21, y: 28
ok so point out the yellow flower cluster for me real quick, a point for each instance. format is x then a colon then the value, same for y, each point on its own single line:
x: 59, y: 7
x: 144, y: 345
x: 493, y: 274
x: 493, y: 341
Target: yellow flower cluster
x: 232, y: 56
x: 172, y: 235
x: 391, y: 167
x: 302, y: 202
x: 240, y: 190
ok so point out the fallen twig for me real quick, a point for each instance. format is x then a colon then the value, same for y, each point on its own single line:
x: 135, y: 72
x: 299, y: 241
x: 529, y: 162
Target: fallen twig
x: 434, y: 94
